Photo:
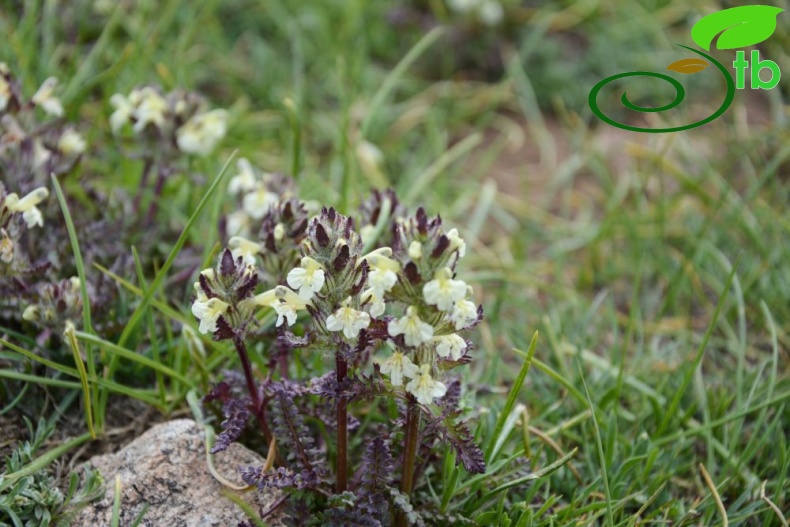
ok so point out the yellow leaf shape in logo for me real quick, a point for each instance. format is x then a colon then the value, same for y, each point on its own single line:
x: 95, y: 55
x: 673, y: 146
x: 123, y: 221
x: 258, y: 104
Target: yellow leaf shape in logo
x: 688, y: 66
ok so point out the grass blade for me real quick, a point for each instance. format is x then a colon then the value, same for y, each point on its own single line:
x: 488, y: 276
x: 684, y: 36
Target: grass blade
x: 86, y: 391
x: 601, y: 454
x: 389, y: 83
x: 675, y: 403
x: 86, y: 303
x: 122, y: 352
x: 511, y: 400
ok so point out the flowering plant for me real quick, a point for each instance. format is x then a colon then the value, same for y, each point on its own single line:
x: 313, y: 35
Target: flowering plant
x: 391, y: 318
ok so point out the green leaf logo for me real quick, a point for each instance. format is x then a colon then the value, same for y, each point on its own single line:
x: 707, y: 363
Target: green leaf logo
x: 742, y: 26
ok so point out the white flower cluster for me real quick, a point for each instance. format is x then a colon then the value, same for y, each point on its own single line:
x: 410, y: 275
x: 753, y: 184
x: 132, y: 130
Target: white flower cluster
x: 448, y: 295
x: 489, y: 12
x: 67, y: 147
x: 321, y: 282
x: 146, y: 107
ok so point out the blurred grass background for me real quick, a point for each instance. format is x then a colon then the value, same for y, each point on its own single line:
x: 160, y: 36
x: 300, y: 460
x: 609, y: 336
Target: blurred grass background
x: 617, y: 247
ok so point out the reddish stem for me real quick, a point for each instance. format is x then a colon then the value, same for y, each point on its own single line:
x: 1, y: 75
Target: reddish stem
x: 257, y: 407
x: 410, y: 454
x: 342, y: 429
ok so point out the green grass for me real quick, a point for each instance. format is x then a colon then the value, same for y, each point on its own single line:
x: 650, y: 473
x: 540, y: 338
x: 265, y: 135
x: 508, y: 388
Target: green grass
x: 656, y: 269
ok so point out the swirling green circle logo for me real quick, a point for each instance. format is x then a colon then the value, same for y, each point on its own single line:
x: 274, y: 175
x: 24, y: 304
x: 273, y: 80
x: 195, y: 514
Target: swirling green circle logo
x: 680, y: 94
x: 736, y: 27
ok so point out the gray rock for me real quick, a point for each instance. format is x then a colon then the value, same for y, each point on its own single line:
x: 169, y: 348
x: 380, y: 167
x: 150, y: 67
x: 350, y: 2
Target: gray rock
x: 166, y: 469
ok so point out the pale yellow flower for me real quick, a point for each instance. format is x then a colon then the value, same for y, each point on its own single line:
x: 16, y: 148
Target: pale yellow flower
x: 443, y: 291
x: 6, y: 247
x: 245, y: 180
x: 71, y: 143
x: 398, y: 366
x: 424, y: 387
x: 415, y: 250
x: 238, y: 223
x: 27, y: 206
x: 202, y: 132
x: 245, y: 248
x: 150, y: 108
x: 382, y: 276
x: 413, y: 329
x: 31, y: 313
x: 375, y: 303
x: 464, y: 313
x: 308, y: 279
x: 123, y: 112
x: 208, y: 312
x: 450, y: 346
x: 456, y: 242
x: 348, y: 320
x: 5, y: 93
x: 45, y: 98
x: 286, y: 303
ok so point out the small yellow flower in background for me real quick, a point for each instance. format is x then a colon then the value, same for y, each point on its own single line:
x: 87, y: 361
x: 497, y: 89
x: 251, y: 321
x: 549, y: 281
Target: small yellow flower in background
x: 376, y: 303
x: 398, y: 366
x: 31, y: 313
x: 349, y: 320
x: 413, y: 329
x: 123, y: 112
x: 257, y: 202
x: 41, y: 155
x: 71, y: 143
x: 456, y: 242
x: 464, y: 313
x: 308, y: 279
x: 371, y: 162
x: 443, y: 291
x: 27, y: 206
x: 149, y: 108
x: 366, y: 232
x: 245, y: 248
x: 245, y: 180
x: 202, y: 132
x: 193, y: 343
x: 5, y: 93
x: 450, y: 346
x: 490, y: 12
x: 424, y: 387
x: 6, y: 247
x: 208, y: 312
x: 279, y: 232
x: 238, y: 223
x: 46, y: 99
x: 415, y: 250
